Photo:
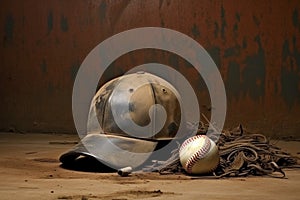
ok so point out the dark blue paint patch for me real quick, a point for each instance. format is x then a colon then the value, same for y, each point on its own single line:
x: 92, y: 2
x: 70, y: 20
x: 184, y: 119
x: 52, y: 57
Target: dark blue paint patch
x: 50, y: 21
x: 236, y: 25
x: 195, y: 31
x: 232, y: 51
x: 44, y: 66
x: 290, y: 78
x: 235, y: 29
x: 295, y: 18
x: 296, y: 52
x: 74, y: 69
x: 253, y: 75
x: 102, y: 10
x: 9, y: 29
x: 289, y: 84
x: 256, y: 20
x: 238, y: 17
x: 223, y: 22
x: 64, y: 26
x: 286, y: 53
x: 233, y: 80
x: 217, y: 29
x: 215, y: 54
x: 285, y: 50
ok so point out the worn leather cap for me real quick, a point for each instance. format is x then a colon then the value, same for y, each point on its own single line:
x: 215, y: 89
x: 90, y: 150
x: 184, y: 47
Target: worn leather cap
x: 130, y: 117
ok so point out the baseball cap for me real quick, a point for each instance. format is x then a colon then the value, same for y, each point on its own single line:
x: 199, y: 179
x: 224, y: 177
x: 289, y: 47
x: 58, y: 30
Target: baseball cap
x: 130, y: 117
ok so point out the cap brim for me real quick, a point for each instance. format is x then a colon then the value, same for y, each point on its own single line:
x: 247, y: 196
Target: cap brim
x: 113, y: 151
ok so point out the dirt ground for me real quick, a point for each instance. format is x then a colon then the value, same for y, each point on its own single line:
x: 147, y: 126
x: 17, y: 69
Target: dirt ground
x: 30, y: 169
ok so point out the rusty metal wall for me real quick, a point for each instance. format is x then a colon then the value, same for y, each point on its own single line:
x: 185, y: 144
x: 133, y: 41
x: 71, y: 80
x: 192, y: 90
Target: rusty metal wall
x: 255, y: 44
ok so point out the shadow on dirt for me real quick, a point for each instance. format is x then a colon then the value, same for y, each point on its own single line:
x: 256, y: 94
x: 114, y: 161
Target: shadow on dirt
x: 87, y: 164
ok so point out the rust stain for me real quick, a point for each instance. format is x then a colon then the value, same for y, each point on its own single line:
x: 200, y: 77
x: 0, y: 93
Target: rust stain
x: 256, y: 48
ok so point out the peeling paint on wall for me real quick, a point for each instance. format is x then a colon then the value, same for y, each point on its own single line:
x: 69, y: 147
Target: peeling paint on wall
x: 296, y: 18
x: 50, y: 21
x: 64, y: 24
x: 234, y: 80
x: 8, y: 29
x: 255, y: 45
x: 223, y: 22
x: 253, y: 75
x: 215, y: 53
x: 290, y: 73
x: 195, y: 31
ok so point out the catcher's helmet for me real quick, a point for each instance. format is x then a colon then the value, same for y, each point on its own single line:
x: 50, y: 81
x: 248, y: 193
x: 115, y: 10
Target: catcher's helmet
x: 129, y: 117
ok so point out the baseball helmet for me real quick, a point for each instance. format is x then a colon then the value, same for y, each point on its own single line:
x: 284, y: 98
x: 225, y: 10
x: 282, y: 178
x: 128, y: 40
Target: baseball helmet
x: 130, y: 117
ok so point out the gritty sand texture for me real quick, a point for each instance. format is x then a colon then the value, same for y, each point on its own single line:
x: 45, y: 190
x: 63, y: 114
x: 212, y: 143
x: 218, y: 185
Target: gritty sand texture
x: 29, y: 169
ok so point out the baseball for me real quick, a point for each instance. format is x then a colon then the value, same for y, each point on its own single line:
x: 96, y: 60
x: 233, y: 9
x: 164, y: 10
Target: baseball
x: 199, y: 155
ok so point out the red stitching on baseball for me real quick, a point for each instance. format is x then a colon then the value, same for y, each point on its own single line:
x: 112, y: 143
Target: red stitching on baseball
x: 189, y: 140
x: 197, y: 155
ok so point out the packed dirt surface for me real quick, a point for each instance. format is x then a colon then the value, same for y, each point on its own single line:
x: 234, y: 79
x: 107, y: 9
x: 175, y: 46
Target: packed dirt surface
x: 30, y: 169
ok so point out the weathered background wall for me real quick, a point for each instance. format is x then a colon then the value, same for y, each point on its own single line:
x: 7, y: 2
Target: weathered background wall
x: 255, y: 44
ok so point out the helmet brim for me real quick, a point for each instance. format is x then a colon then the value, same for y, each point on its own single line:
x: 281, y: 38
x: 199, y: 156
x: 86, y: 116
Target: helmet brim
x: 113, y: 151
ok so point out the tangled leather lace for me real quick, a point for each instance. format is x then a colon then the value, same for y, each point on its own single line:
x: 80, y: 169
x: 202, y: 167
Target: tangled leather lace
x: 241, y: 154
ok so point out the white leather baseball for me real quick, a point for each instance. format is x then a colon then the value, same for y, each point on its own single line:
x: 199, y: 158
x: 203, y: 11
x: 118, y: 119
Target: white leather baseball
x: 199, y: 155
